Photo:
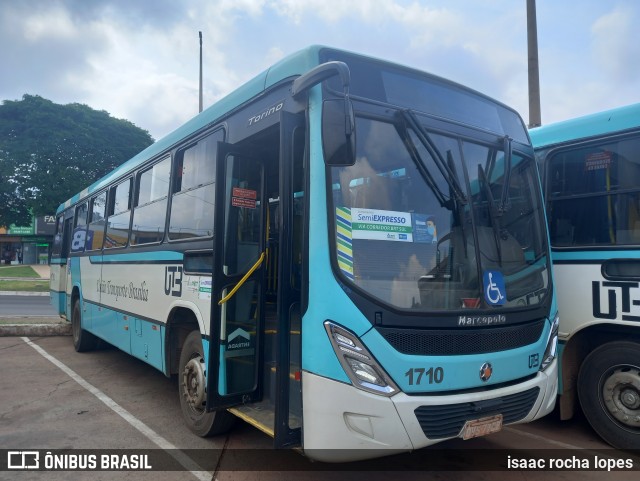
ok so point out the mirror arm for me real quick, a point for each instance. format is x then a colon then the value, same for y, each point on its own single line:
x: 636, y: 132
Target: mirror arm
x: 321, y: 73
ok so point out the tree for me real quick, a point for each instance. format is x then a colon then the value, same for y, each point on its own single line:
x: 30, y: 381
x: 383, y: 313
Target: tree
x: 49, y: 152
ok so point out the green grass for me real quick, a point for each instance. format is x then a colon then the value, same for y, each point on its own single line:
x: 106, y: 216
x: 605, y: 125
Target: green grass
x: 28, y: 286
x: 18, y: 271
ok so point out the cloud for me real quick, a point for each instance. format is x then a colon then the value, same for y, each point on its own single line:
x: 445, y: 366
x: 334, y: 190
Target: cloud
x: 53, y: 24
x: 139, y: 59
x: 41, y: 46
x: 615, y: 46
x: 594, y: 65
x: 136, y: 63
x: 140, y: 63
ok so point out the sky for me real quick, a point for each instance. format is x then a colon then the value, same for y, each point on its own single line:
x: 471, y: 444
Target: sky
x: 139, y: 59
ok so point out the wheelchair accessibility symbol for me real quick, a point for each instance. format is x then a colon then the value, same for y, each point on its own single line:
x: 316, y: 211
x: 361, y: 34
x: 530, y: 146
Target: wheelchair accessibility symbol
x: 494, y: 290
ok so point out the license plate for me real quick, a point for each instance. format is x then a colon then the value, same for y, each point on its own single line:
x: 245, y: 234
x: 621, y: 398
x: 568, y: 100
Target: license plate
x: 482, y: 427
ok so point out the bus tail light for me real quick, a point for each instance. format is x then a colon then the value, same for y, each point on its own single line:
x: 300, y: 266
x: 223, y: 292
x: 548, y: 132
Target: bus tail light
x: 363, y: 370
x: 552, y: 345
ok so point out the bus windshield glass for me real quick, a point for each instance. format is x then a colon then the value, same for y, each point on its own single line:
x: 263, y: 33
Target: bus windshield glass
x: 396, y: 85
x: 423, y: 220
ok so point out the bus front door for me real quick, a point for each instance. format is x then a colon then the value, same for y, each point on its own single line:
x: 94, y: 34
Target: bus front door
x: 236, y: 341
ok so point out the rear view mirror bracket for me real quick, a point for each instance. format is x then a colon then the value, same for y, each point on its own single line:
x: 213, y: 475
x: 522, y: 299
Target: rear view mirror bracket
x: 337, y: 152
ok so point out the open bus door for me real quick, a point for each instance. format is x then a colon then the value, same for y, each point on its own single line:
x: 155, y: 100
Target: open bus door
x: 235, y: 351
x: 254, y: 356
x: 292, y: 187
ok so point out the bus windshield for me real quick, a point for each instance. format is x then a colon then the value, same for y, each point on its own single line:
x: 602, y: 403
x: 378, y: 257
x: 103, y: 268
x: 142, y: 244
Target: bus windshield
x: 400, y: 86
x: 424, y: 220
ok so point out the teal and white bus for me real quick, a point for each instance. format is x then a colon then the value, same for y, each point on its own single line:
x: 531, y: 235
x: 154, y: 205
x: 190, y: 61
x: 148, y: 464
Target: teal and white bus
x: 348, y: 254
x: 591, y: 174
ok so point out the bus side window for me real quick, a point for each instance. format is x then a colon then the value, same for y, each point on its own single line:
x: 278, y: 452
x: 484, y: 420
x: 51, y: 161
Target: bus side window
x: 118, y: 215
x: 562, y: 232
x: 79, y: 236
x: 150, y: 212
x: 193, y: 201
x: 58, y: 239
x: 593, y: 194
x: 66, y: 237
x: 95, y: 231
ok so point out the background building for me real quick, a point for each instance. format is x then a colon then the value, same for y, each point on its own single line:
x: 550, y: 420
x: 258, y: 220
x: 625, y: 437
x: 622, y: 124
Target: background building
x: 28, y: 244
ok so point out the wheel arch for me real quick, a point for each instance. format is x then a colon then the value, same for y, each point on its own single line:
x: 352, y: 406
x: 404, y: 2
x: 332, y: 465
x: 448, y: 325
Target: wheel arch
x: 182, y: 319
x: 577, y: 348
x: 76, y: 295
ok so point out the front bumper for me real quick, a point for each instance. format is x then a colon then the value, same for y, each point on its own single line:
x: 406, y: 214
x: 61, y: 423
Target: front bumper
x: 342, y: 423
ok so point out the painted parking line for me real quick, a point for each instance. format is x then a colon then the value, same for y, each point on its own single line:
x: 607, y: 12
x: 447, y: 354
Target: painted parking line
x: 149, y: 433
x: 537, y: 437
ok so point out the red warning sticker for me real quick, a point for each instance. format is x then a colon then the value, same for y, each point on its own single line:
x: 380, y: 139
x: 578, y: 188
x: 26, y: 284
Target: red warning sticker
x: 244, y: 193
x: 244, y: 198
x: 240, y: 202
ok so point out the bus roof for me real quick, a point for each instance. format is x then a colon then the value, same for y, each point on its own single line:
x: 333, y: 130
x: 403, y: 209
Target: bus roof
x: 293, y: 65
x: 601, y: 123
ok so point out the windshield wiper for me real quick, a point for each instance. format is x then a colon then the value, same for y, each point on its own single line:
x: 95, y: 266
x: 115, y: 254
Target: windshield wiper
x: 422, y: 169
x: 449, y: 176
x: 458, y: 213
x: 493, y: 214
x: 505, y: 203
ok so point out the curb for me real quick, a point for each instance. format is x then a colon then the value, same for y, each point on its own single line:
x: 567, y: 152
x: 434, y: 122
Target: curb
x: 23, y: 293
x: 38, y: 330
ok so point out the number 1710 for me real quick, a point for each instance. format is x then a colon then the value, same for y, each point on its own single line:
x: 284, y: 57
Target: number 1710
x: 432, y: 375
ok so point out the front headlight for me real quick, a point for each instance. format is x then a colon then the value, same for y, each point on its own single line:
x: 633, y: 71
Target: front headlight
x: 552, y: 345
x: 363, y: 370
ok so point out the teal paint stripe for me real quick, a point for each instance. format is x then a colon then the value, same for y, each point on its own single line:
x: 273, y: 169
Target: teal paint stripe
x: 153, y: 256
x: 575, y: 256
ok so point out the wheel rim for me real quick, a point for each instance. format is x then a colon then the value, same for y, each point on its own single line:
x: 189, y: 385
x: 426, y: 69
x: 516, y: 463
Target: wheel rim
x: 621, y: 395
x: 193, y: 384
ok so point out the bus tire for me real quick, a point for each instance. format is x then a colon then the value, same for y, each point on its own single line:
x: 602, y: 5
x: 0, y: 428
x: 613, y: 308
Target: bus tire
x: 82, y: 340
x: 192, y: 389
x: 609, y: 393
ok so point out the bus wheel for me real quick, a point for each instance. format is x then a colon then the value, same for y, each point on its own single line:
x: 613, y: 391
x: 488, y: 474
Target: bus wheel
x: 82, y: 340
x: 192, y: 387
x: 609, y: 392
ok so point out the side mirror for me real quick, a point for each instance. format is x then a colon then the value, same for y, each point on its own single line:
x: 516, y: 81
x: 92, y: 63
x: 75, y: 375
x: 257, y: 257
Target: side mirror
x: 338, y: 119
x: 338, y: 133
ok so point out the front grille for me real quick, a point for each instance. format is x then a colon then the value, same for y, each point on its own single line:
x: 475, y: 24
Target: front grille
x: 446, y: 421
x: 450, y: 342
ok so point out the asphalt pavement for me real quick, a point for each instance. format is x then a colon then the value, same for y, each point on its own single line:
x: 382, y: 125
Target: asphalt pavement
x: 30, y: 313
x: 14, y: 305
